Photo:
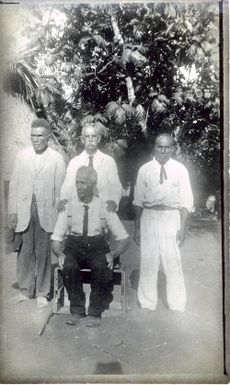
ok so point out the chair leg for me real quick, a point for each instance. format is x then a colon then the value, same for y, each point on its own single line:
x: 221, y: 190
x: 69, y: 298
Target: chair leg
x: 58, y: 294
x: 123, y: 291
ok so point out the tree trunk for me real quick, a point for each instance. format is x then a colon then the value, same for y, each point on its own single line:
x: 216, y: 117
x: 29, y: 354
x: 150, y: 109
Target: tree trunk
x: 129, y: 81
x: 130, y: 89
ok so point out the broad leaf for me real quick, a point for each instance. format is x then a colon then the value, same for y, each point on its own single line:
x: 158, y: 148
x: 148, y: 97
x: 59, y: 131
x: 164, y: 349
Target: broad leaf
x: 120, y: 115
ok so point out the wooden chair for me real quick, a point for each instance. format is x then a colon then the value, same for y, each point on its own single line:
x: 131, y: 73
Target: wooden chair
x: 60, y: 298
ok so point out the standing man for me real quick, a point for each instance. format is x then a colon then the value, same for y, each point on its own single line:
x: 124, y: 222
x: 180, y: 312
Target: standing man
x: 108, y: 185
x: 84, y: 220
x: 163, y: 198
x: 34, y: 188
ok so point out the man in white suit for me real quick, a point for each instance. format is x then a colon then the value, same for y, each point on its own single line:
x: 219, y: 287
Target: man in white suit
x: 163, y: 199
x: 108, y: 185
x: 34, y: 189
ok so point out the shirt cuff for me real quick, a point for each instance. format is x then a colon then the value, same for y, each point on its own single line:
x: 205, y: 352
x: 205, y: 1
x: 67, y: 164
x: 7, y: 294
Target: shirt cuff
x: 136, y: 203
x: 123, y: 237
x: 55, y: 237
x: 188, y: 208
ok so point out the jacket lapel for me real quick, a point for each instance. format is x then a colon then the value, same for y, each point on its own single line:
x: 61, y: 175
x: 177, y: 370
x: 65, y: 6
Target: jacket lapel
x: 43, y: 161
x: 30, y: 161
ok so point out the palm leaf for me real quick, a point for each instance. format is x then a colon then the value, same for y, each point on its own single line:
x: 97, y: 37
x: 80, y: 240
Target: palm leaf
x: 111, y: 108
x: 163, y: 99
x: 128, y: 109
x: 140, y: 112
x: 157, y: 106
x: 20, y: 81
x: 177, y: 96
x: 120, y: 115
x: 97, y: 120
x: 101, y: 118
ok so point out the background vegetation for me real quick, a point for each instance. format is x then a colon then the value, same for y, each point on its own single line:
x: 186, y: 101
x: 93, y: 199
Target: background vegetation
x: 134, y: 69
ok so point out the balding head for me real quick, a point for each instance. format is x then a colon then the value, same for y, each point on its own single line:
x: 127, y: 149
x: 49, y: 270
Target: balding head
x: 163, y: 147
x: 165, y: 135
x: 91, y: 126
x: 86, y: 181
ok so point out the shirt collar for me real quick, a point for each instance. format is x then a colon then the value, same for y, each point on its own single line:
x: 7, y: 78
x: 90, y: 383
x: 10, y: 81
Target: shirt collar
x: 96, y: 155
x: 156, y: 163
x: 42, y: 153
x: 88, y: 204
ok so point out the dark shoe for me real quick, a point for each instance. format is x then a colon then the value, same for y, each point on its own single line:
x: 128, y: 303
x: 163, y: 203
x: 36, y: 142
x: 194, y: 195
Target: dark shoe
x: 75, y: 319
x: 92, y: 322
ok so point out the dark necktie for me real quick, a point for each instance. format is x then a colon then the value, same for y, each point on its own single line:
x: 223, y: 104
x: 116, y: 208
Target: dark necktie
x: 85, y: 221
x: 90, y: 161
x: 163, y: 174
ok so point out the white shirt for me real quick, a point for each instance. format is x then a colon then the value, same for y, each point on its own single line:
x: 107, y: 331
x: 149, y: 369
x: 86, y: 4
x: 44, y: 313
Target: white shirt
x: 98, y: 217
x: 175, y: 191
x: 39, y: 159
x: 108, y: 182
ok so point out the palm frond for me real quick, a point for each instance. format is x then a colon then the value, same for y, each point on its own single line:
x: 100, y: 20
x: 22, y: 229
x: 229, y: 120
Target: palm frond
x: 21, y: 82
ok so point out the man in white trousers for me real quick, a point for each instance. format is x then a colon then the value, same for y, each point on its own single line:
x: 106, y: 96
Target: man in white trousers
x: 163, y: 199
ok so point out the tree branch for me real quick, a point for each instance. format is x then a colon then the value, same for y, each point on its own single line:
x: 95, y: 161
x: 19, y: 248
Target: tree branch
x: 47, y: 26
x: 103, y: 68
x: 128, y: 79
x: 116, y: 31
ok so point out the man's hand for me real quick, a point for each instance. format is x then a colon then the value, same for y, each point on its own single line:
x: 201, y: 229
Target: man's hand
x: 12, y: 221
x: 61, y: 205
x: 180, y: 237
x: 109, y: 259
x: 137, y: 237
x: 61, y: 260
x: 111, y: 206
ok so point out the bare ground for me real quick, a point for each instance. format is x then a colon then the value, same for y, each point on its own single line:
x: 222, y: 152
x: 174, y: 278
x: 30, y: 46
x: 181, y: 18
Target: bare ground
x: 140, y: 346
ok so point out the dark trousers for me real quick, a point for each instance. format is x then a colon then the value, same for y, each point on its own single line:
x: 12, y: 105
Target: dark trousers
x: 88, y: 253
x: 34, y: 261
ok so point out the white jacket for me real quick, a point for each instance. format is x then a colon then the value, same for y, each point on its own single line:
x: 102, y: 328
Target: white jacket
x: 49, y: 177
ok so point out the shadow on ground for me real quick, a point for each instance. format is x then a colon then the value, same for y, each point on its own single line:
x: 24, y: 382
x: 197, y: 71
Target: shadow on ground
x: 138, y: 345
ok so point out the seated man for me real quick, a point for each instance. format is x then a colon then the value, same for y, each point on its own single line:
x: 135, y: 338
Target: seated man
x: 84, y: 221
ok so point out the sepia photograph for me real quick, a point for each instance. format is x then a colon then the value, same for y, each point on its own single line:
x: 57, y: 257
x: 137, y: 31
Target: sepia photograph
x: 114, y: 118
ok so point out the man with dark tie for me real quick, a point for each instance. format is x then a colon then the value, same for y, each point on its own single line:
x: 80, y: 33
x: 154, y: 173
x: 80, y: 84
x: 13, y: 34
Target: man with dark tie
x: 162, y: 200
x: 108, y: 183
x: 85, y: 221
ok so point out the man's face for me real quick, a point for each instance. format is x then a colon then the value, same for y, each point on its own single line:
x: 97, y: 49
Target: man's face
x: 84, y: 186
x: 90, y: 138
x: 39, y: 139
x: 163, y: 149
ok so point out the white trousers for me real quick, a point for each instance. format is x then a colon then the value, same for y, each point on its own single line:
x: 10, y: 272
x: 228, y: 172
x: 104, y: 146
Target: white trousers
x: 158, y: 243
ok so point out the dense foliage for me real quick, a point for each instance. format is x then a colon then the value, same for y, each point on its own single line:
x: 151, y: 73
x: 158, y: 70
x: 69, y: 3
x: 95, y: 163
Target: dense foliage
x: 135, y: 69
